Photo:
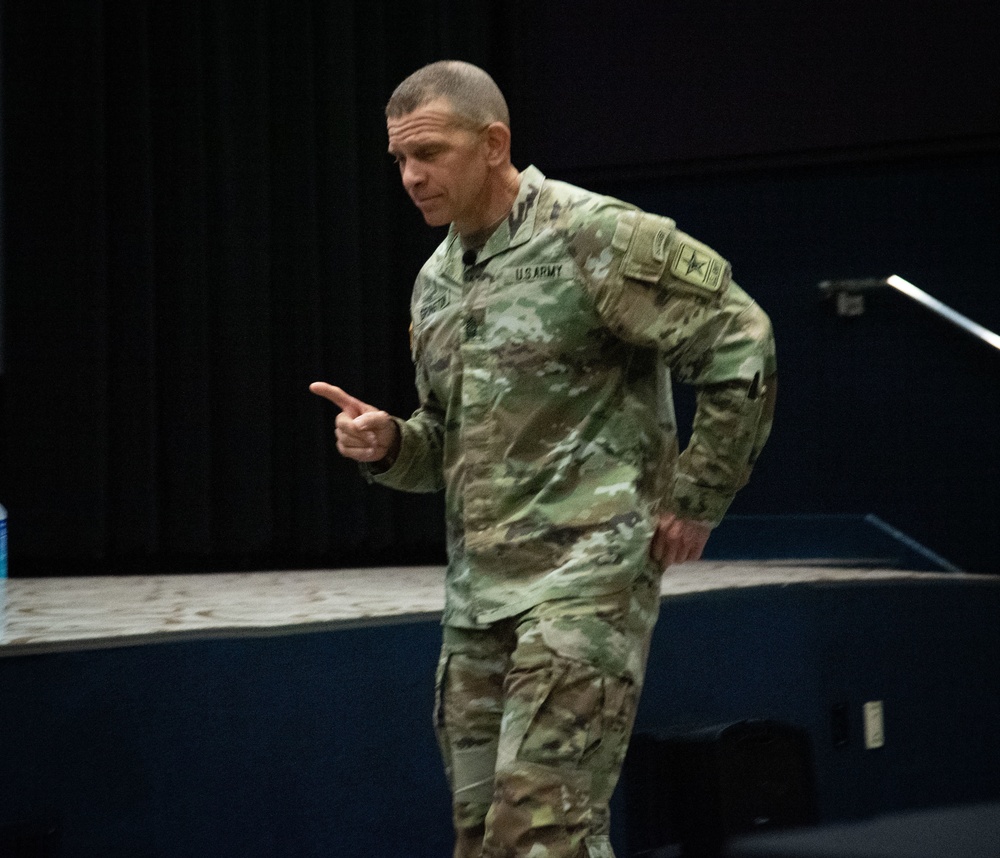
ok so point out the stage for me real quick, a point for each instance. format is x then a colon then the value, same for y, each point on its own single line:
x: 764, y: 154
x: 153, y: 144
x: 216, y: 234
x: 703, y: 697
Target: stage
x: 287, y: 713
x: 74, y: 614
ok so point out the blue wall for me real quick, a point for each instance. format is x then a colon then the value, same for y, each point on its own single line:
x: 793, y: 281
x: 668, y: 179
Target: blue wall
x: 321, y: 743
x: 793, y: 653
x: 305, y: 745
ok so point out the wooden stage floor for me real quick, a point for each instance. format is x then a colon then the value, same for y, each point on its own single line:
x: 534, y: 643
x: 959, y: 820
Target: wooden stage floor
x: 75, y: 613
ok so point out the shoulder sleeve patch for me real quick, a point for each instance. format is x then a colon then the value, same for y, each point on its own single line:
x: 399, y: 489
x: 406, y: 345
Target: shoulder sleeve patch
x: 698, y: 266
x: 648, y: 247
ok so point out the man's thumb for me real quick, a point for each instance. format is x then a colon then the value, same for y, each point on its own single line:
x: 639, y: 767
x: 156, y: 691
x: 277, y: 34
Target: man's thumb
x: 372, y: 421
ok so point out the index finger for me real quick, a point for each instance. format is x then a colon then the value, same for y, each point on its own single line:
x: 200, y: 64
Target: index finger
x: 339, y: 397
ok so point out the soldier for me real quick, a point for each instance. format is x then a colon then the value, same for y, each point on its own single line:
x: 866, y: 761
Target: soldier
x: 546, y: 329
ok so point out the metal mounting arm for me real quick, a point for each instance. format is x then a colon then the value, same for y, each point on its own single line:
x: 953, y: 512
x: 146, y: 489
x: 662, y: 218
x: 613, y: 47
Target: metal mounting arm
x: 849, y: 295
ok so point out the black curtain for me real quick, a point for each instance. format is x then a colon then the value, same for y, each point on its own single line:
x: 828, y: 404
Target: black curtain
x: 199, y: 219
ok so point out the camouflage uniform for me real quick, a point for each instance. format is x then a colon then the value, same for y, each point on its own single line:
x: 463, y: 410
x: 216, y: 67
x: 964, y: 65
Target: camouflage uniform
x: 544, y: 373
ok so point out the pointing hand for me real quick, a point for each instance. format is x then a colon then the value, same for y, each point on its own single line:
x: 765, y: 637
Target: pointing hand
x: 364, y: 433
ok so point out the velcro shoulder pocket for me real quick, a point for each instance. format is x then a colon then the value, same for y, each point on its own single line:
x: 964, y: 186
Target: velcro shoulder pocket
x: 655, y: 251
x: 644, y: 239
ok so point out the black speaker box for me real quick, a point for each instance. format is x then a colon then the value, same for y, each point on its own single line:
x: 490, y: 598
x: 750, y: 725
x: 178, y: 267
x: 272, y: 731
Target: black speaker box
x: 696, y: 789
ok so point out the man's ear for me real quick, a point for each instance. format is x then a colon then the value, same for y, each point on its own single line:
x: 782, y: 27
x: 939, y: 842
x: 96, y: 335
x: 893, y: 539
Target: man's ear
x: 498, y: 144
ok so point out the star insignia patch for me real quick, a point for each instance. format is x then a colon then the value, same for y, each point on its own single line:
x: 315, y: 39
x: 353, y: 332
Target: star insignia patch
x: 693, y: 265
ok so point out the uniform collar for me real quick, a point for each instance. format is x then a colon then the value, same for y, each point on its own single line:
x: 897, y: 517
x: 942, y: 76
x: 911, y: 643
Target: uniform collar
x: 518, y: 226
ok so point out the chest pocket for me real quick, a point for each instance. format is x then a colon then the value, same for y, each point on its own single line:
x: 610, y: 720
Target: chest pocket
x: 541, y: 309
x: 435, y: 345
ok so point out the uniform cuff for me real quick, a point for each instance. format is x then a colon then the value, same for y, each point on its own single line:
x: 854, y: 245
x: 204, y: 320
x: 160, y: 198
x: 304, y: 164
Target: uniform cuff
x: 699, y: 503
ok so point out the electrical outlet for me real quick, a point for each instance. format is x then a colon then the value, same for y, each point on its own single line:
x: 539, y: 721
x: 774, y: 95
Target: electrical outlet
x: 874, y: 724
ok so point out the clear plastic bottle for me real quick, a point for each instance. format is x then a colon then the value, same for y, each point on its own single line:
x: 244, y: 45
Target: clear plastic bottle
x: 3, y: 543
x: 3, y: 573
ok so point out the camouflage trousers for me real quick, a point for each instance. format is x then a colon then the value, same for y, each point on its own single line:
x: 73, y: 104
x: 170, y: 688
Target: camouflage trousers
x: 534, y: 716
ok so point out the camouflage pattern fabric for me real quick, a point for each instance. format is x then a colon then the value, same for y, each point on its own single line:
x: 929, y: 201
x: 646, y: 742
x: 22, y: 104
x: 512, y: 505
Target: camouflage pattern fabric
x: 534, y: 717
x: 544, y: 373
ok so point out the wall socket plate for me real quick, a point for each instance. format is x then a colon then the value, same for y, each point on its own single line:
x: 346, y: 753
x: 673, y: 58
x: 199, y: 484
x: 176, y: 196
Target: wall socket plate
x: 874, y: 722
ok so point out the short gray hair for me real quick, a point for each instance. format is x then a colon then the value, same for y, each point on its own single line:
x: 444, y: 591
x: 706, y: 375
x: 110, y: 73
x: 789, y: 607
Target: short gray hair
x: 472, y: 93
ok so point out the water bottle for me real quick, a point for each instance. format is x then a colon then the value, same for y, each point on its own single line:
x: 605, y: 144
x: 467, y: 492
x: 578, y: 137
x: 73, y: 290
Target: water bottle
x: 3, y: 573
x: 3, y: 543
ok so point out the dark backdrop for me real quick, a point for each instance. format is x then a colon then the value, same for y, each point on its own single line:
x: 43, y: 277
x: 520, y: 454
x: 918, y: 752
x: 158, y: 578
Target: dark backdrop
x: 199, y: 219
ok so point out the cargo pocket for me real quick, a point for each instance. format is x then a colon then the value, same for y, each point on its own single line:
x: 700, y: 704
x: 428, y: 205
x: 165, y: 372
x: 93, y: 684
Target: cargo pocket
x: 525, y: 692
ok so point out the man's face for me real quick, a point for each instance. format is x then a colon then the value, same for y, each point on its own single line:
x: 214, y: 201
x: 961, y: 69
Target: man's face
x: 443, y: 164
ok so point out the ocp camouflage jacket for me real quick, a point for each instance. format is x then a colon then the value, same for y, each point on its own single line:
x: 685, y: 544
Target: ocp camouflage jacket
x: 544, y: 375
